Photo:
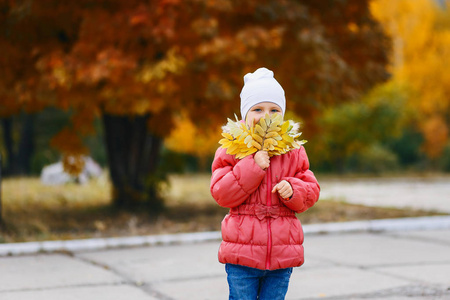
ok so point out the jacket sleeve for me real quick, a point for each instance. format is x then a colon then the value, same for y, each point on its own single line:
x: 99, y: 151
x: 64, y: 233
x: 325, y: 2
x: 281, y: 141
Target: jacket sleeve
x: 232, y: 180
x: 304, y: 184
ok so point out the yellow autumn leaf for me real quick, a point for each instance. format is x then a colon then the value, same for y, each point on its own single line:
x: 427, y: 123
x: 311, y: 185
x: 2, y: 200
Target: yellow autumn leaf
x: 269, y: 134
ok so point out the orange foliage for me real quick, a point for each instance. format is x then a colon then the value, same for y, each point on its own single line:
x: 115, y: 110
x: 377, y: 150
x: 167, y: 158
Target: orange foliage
x: 69, y: 142
x: 73, y: 164
x: 72, y: 149
x: 435, y: 131
x: 167, y: 58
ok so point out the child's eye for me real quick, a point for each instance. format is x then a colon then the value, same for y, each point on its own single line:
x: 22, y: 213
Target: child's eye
x: 257, y: 109
x: 275, y: 110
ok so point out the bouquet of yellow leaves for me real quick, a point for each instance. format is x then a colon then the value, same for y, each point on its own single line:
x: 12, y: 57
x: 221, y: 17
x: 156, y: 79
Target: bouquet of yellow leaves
x: 270, y: 134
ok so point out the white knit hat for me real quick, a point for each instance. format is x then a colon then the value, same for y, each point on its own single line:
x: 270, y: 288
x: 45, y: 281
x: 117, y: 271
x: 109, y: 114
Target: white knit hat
x: 261, y: 86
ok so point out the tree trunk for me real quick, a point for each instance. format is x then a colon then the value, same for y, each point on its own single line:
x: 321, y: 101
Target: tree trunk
x: 26, y: 144
x: 133, y: 154
x: 19, y: 162
x: 9, y: 145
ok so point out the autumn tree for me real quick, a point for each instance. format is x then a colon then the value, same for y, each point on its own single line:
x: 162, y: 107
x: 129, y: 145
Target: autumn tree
x: 140, y: 65
x: 25, y: 37
x: 420, y: 31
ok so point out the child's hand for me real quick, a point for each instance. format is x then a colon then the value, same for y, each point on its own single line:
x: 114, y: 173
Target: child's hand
x: 262, y: 159
x: 284, y: 188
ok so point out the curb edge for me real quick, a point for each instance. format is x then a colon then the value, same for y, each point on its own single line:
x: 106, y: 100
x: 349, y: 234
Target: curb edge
x: 382, y: 225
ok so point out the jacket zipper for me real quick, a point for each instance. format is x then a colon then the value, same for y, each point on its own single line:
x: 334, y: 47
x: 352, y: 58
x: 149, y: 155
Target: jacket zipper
x: 269, y: 230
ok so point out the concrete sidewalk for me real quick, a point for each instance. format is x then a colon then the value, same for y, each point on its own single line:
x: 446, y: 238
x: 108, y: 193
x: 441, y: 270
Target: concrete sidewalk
x: 404, y: 264
x: 427, y: 193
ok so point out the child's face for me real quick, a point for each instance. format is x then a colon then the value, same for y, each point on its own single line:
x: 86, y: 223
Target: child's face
x: 259, y: 110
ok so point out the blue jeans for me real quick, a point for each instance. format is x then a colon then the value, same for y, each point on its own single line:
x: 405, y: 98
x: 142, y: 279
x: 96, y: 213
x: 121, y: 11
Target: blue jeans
x: 247, y: 283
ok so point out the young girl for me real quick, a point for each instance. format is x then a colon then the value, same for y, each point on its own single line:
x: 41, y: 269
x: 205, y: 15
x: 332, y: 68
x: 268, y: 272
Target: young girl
x: 262, y: 238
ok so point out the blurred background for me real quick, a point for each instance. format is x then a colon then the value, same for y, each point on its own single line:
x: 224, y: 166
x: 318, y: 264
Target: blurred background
x: 111, y: 111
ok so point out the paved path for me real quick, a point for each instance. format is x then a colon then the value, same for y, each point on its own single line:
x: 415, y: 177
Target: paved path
x: 428, y: 193
x: 384, y: 265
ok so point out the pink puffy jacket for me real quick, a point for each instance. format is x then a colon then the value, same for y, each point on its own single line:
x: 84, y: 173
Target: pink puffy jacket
x: 261, y: 230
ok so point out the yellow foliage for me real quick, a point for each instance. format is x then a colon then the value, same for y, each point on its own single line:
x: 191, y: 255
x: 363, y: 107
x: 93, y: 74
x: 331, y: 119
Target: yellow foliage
x: 187, y: 138
x: 172, y: 63
x: 420, y: 32
x: 270, y: 134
